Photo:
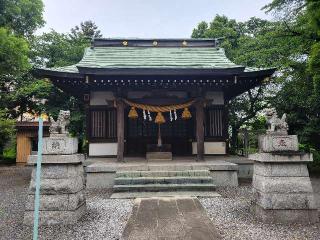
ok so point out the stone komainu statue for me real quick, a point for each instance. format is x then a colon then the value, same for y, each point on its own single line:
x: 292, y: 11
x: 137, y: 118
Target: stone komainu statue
x: 274, y: 123
x: 60, y: 126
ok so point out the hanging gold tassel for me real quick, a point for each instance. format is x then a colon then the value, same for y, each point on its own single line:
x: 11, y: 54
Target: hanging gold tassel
x: 186, y: 114
x: 133, y: 113
x: 159, y: 118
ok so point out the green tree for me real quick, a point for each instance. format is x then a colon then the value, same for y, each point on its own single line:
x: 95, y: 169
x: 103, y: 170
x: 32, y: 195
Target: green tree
x: 23, y: 17
x: 13, y: 63
x: 55, y: 49
x: 13, y: 54
x: 18, y: 21
x: 246, y: 43
x: 87, y: 29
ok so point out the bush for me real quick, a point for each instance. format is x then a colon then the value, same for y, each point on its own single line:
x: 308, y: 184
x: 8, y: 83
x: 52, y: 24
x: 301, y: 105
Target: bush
x: 7, y: 132
x: 314, y: 167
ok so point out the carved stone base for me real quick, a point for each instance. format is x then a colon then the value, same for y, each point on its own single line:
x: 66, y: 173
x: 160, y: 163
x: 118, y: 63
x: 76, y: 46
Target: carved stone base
x: 302, y: 216
x: 56, y: 217
x: 62, y: 197
x: 60, y: 144
x: 57, y: 159
x: 282, y: 189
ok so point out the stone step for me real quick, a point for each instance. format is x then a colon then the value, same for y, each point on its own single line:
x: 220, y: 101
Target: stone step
x: 164, y: 187
x: 163, y: 180
x: 132, y: 174
x: 129, y: 195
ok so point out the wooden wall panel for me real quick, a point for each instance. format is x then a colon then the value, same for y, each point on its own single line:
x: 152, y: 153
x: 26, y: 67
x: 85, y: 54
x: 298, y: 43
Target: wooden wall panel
x: 23, y: 147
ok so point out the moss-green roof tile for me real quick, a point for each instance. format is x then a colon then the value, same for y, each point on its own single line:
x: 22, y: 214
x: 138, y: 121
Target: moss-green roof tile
x: 156, y: 57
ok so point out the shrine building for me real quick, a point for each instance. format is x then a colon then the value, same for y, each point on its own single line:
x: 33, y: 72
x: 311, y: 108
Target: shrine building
x: 156, y: 95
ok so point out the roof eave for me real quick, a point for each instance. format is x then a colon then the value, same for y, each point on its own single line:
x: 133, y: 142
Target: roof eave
x: 40, y: 72
x: 259, y: 73
x: 161, y: 71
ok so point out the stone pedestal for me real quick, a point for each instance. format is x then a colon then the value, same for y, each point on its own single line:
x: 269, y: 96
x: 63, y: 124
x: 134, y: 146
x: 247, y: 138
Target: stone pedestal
x: 282, y: 188
x: 60, y: 144
x: 159, y: 156
x: 62, y: 197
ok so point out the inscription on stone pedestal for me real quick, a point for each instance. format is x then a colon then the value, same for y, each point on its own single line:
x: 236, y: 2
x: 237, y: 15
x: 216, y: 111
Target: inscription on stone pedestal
x: 60, y: 145
x: 282, y: 143
x: 57, y: 145
x: 278, y: 143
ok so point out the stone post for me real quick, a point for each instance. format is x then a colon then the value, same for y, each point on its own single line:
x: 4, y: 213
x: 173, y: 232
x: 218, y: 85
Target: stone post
x: 282, y: 188
x: 62, y: 197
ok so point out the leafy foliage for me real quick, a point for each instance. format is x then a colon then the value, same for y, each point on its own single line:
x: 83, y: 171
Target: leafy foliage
x: 7, y: 130
x: 87, y: 29
x: 292, y: 44
x: 13, y: 54
x: 21, y: 16
x: 54, y: 49
x: 251, y: 44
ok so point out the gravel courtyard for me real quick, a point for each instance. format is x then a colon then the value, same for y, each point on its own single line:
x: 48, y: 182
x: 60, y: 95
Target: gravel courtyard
x: 106, y: 218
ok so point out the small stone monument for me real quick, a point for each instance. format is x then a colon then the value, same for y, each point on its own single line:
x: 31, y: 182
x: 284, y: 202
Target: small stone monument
x: 62, y: 197
x: 282, y: 188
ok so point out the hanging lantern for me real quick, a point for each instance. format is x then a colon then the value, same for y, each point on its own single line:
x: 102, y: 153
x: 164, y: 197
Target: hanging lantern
x: 159, y: 118
x: 133, y: 113
x: 186, y: 114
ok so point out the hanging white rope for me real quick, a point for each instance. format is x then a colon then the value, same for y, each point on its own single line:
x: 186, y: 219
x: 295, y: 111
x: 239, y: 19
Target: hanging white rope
x: 144, y: 114
x: 149, y: 116
x: 171, y: 118
x: 175, y: 115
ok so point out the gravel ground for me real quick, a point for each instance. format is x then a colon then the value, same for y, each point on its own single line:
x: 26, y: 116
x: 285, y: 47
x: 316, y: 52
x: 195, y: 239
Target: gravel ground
x: 231, y: 215
x: 105, y: 218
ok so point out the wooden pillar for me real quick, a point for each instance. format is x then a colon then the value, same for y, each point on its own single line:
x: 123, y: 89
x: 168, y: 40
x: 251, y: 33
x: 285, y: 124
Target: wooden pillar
x: 88, y: 126
x: 200, y: 129
x: 120, y: 130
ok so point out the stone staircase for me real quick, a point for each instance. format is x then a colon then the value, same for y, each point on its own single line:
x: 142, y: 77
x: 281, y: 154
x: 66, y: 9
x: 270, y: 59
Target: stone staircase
x: 131, y: 184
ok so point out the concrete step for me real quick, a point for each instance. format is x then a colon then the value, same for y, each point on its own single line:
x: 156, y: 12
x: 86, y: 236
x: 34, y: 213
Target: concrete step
x: 133, y: 174
x: 129, y: 195
x: 162, y: 180
x: 164, y: 187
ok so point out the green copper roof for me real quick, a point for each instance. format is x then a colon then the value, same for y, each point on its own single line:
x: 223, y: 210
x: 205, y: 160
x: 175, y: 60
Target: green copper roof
x: 155, y: 57
x: 67, y: 69
x: 120, y: 56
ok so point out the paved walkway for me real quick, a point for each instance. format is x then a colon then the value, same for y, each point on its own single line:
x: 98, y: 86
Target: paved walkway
x: 169, y: 218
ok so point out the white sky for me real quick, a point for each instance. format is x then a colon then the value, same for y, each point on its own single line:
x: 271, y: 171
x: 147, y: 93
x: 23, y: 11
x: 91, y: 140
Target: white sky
x: 146, y: 18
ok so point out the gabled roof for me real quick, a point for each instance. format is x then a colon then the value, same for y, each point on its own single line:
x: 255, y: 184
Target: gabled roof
x: 148, y: 57
x: 143, y: 56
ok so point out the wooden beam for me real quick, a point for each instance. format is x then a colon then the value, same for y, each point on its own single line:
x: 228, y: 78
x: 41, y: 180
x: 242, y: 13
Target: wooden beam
x: 200, y: 129
x: 120, y: 130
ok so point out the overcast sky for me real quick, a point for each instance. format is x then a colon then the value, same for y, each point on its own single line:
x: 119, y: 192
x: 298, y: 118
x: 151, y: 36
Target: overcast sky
x: 146, y: 18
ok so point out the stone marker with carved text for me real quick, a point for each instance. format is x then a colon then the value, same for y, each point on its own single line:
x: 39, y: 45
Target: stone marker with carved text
x: 281, y: 184
x: 62, y: 197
